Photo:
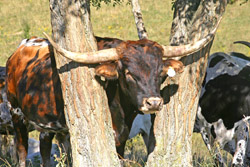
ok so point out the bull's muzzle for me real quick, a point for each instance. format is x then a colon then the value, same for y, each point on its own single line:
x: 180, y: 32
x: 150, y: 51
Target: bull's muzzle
x: 151, y: 105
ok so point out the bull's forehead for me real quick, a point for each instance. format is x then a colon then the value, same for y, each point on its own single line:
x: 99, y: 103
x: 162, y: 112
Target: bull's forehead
x: 144, y: 57
x: 143, y: 62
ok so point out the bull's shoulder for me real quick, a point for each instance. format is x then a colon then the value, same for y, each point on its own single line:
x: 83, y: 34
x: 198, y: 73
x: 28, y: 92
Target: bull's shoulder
x: 31, y: 58
x: 29, y: 49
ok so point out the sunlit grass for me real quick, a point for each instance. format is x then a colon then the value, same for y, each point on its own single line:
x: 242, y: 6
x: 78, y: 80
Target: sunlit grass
x: 201, y: 155
x: 20, y: 19
x: 24, y: 18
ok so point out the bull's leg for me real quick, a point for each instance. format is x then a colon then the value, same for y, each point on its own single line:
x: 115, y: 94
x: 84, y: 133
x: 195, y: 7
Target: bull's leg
x: 45, y: 147
x: 213, y: 147
x: 242, y: 137
x: 120, y: 149
x: 21, y: 136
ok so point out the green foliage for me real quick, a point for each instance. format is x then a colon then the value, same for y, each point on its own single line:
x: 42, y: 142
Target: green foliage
x: 173, y: 4
x: 97, y: 3
x: 135, y: 152
x: 26, y: 29
x: 5, y: 162
x: 61, y: 160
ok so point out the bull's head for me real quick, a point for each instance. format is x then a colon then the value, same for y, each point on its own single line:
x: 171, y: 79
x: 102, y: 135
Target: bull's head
x: 140, y: 70
x: 139, y: 67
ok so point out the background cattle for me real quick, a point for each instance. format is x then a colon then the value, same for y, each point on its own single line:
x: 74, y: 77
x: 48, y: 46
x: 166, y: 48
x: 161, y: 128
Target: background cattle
x: 34, y: 90
x: 141, y: 125
x: 223, y: 115
x: 6, y: 126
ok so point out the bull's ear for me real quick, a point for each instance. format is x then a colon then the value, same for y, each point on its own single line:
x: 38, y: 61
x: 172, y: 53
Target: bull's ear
x: 171, y: 67
x: 107, y: 70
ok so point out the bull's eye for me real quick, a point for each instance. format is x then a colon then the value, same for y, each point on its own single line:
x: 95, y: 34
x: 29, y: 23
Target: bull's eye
x: 129, y: 75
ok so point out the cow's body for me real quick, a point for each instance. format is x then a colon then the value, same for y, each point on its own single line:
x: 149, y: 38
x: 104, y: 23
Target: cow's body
x: 223, y: 114
x: 33, y: 85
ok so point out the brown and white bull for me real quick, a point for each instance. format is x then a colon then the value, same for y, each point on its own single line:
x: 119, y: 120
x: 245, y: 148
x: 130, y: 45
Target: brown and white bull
x: 134, y: 70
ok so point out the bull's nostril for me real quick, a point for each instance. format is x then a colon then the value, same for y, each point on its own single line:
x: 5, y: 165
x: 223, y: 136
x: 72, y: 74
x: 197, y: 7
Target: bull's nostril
x: 148, y: 103
x: 154, y: 102
x: 151, y: 105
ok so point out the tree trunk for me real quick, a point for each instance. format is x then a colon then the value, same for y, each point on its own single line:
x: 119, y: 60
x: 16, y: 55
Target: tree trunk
x: 173, y: 125
x: 86, y: 108
x: 136, y: 10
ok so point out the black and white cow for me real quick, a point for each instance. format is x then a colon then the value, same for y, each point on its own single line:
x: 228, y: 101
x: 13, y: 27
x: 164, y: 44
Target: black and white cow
x: 223, y: 114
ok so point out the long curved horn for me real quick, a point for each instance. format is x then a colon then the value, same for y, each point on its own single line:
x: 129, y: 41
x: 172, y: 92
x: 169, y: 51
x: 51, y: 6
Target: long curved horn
x: 88, y: 57
x: 182, y: 50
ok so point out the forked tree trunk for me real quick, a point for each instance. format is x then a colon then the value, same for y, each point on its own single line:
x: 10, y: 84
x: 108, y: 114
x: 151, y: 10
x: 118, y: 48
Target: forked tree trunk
x: 86, y: 108
x: 174, y: 123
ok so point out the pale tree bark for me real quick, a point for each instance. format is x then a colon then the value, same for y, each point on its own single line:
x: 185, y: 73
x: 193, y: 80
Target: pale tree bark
x: 86, y: 108
x: 136, y: 10
x: 173, y: 125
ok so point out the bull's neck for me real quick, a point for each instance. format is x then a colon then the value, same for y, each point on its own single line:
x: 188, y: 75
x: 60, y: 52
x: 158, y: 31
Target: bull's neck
x: 117, y: 99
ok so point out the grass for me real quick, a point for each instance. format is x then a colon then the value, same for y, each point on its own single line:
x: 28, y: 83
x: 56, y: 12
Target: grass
x: 21, y: 19
x: 25, y: 18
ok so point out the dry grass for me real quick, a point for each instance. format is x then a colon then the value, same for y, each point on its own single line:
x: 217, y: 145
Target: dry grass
x: 24, y: 18
x: 20, y: 19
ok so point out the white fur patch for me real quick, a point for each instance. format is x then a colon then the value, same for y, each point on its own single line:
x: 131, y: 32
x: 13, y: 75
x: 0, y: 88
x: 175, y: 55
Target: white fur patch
x: 224, y: 67
x: 42, y: 42
x: 231, y: 140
